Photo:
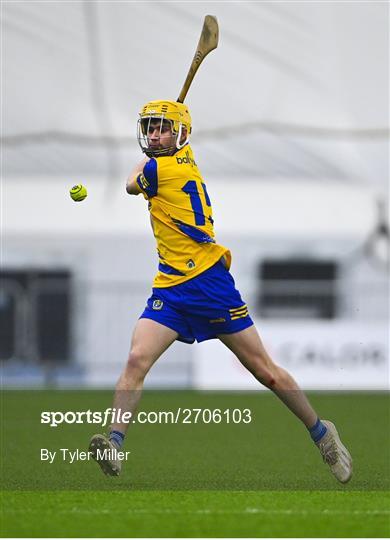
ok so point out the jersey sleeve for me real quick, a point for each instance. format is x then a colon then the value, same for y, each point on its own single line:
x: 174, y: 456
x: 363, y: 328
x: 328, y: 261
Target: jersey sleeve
x: 148, y: 180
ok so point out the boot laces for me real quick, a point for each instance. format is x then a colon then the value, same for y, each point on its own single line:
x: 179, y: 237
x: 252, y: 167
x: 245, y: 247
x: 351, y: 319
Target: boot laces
x: 329, y: 452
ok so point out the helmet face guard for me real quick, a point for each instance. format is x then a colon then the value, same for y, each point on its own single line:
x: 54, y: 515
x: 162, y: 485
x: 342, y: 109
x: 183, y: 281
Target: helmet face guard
x: 163, y: 115
x: 143, y: 130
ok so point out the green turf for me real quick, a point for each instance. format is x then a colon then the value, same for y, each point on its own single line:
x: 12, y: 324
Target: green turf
x: 197, y: 514
x: 259, y: 479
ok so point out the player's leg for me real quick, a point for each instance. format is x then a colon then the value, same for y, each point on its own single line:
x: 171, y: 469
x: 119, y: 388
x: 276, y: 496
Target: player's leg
x: 150, y: 339
x: 249, y: 349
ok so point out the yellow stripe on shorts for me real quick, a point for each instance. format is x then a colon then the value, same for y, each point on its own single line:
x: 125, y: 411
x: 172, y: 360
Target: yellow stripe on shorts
x: 238, y: 313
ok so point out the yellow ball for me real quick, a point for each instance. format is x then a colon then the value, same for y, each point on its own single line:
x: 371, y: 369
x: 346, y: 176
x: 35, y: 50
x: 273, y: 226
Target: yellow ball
x: 78, y: 192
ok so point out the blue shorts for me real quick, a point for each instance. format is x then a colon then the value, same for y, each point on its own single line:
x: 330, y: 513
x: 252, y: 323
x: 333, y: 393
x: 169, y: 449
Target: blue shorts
x: 200, y: 308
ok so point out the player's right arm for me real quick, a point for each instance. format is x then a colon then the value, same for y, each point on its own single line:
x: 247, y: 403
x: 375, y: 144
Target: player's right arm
x: 144, y: 179
x: 132, y: 186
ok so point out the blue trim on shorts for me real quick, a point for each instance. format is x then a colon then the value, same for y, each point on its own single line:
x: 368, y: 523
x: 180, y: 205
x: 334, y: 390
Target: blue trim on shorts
x: 201, y: 308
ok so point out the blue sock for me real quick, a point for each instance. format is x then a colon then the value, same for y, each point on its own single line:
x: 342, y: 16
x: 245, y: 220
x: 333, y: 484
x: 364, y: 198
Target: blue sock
x: 117, y: 438
x: 317, y: 431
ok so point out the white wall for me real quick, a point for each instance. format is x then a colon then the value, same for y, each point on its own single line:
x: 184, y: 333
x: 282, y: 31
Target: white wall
x: 321, y: 355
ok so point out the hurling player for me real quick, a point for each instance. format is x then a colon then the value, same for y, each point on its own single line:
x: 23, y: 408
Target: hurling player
x: 194, y: 295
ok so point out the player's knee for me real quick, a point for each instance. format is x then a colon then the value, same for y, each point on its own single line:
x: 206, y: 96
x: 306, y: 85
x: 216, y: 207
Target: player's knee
x: 275, y: 378
x: 268, y: 373
x: 138, y: 363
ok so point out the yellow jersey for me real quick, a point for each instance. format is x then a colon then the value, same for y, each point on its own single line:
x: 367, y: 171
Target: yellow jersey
x: 181, y: 217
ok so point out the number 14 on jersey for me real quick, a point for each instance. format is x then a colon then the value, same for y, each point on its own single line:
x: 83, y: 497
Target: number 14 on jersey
x: 191, y: 189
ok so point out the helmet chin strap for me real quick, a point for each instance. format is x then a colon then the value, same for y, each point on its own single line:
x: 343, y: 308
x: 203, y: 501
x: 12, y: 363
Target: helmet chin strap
x: 178, y: 145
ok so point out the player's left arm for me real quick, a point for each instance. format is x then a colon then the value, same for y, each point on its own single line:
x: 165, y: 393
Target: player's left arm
x: 132, y: 186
